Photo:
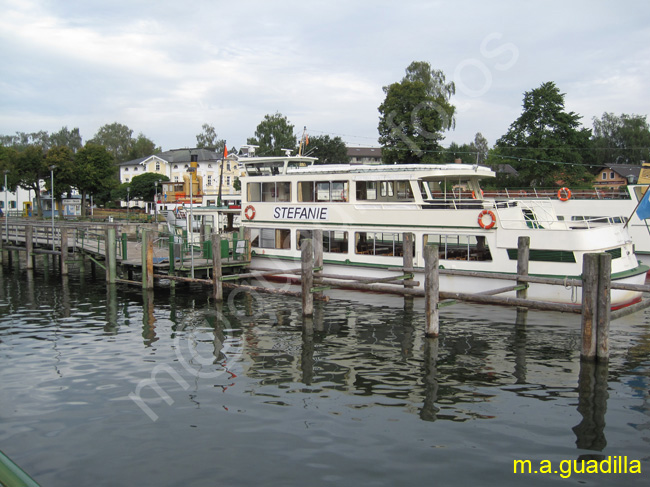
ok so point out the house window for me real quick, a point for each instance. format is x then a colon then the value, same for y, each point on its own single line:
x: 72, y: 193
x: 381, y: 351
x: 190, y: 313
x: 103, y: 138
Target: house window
x: 228, y: 167
x: 126, y: 169
x: 175, y: 166
x: 175, y: 179
x: 611, y: 175
x: 210, y: 180
x: 157, y: 166
x: 227, y: 180
x: 604, y: 176
x: 135, y: 169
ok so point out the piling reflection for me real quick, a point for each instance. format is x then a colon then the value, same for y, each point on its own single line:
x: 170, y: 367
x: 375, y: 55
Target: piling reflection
x: 148, y: 318
x: 592, y: 405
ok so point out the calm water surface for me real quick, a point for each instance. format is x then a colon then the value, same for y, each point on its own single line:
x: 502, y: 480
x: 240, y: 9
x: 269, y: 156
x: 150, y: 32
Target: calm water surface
x: 118, y: 387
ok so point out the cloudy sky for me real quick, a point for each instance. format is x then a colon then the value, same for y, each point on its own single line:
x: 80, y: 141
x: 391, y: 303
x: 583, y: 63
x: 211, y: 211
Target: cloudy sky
x: 164, y: 68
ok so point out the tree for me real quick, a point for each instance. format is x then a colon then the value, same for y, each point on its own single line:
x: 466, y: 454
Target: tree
x: 624, y: 139
x: 482, y: 147
x: 65, y: 174
x: 414, y: 114
x: 208, y: 139
x: 95, y: 169
x: 29, y: 169
x: 144, y: 185
x: 67, y: 138
x: 328, y: 150
x: 117, y: 139
x: 142, y: 147
x: 546, y: 143
x: 273, y: 134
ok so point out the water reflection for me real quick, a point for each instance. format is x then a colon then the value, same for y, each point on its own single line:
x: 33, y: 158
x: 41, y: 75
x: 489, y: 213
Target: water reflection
x: 592, y: 405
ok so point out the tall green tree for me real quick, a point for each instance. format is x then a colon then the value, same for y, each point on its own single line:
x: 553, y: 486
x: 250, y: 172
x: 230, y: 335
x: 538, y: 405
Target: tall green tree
x: 95, y: 169
x: 65, y: 174
x: 117, y: 138
x: 328, y: 150
x: 208, y: 139
x: 29, y: 169
x: 142, y: 146
x: 546, y: 143
x: 414, y: 114
x: 272, y: 135
x: 621, y: 139
x: 67, y: 138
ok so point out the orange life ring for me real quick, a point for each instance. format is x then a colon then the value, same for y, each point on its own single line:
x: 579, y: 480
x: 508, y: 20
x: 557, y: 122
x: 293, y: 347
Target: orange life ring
x: 490, y: 224
x: 474, y: 194
x: 249, y: 212
x: 564, y: 194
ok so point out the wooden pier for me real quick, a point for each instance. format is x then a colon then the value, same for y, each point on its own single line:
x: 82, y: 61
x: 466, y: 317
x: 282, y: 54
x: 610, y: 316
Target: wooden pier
x: 223, y: 261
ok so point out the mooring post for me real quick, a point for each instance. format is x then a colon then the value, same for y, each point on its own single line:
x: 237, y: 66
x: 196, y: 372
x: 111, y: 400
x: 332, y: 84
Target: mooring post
x: 247, y: 239
x: 111, y: 259
x: 604, y: 306
x: 318, y: 259
x: 407, y: 256
x: 125, y: 245
x: 217, y: 269
x: 64, y: 251
x: 29, y: 246
x: 147, y: 259
x: 523, y: 253
x: 307, y: 276
x: 431, y: 290
x: 589, y: 306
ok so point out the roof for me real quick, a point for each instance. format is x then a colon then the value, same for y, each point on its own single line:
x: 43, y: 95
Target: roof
x: 364, y: 152
x: 623, y: 170
x: 178, y: 156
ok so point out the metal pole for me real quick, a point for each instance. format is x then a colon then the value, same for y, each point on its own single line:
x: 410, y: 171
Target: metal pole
x: 6, y: 209
x: 128, y: 202
x: 52, y: 168
x: 155, y: 204
x: 191, y: 234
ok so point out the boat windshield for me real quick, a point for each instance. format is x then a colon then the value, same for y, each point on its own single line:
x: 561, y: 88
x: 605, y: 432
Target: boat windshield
x: 447, y: 188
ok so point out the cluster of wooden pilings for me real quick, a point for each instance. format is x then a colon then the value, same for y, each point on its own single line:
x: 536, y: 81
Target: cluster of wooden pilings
x: 595, y: 283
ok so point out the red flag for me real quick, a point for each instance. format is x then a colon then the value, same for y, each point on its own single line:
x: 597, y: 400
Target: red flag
x: 225, y: 150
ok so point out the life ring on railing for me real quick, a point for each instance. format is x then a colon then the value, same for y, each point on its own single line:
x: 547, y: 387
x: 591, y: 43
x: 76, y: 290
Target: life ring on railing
x: 249, y: 212
x: 474, y: 194
x: 564, y: 194
x: 490, y: 224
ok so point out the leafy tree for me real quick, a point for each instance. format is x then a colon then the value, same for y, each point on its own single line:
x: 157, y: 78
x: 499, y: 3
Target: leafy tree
x: 482, y: 147
x: 545, y: 144
x: 208, y: 139
x: 117, y: 139
x: 328, y: 150
x: 67, y: 138
x: 22, y: 140
x: 414, y: 114
x: 273, y: 134
x: 142, y: 147
x: 65, y: 174
x: 144, y: 185
x: 29, y: 169
x: 95, y: 168
x: 624, y: 139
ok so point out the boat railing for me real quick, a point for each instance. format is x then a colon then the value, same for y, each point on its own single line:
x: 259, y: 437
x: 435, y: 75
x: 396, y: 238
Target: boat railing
x: 552, y: 193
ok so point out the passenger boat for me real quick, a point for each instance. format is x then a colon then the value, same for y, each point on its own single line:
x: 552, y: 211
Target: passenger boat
x: 583, y: 208
x: 364, y: 211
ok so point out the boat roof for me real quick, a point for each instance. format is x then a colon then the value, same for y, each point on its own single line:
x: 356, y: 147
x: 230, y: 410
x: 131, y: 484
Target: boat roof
x: 302, y: 165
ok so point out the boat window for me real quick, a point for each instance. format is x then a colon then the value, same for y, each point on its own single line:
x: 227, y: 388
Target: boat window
x: 460, y: 247
x: 272, y: 191
x: 306, y: 191
x: 271, y: 238
x: 302, y: 235
x: 384, y: 244
x: 339, y: 190
x: 322, y: 191
x: 366, y: 190
x: 386, y: 188
x: 404, y: 190
x: 254, y: 192
x: 335, y: 241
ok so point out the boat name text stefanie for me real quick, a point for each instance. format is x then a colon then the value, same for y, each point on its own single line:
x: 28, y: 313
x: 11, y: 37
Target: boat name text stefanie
x: 300, y: 213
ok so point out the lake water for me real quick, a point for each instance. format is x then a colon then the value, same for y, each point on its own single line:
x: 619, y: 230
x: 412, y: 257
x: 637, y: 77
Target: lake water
x: 118, y: 387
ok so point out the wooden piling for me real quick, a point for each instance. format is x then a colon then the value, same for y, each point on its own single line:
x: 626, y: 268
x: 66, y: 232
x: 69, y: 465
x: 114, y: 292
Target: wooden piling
x: 431, y: 290
x: 407, y: 256
x: 111, y: 260
x: 604, y: 307
x: 217, y: 269
x: 523, y: 253
x: 29, y: 247
x: 147, y: 259
x: 318, y: 260
x: 307, y: 276
x: 64, y: 251
x: 589, y: 306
